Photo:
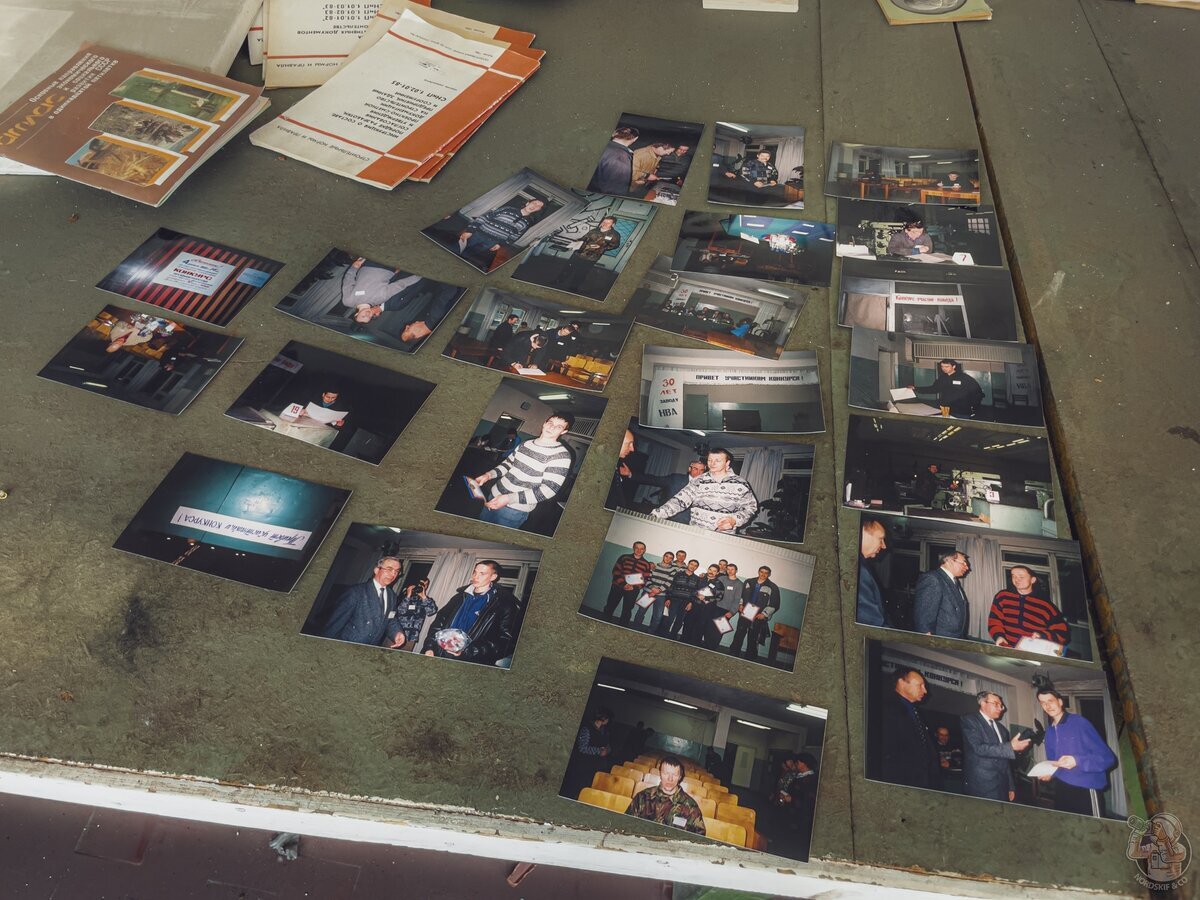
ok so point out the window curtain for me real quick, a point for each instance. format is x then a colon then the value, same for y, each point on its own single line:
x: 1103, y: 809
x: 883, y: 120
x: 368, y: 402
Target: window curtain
x: 763, y: 467
x: 660, y: 460
x: 984, y: 582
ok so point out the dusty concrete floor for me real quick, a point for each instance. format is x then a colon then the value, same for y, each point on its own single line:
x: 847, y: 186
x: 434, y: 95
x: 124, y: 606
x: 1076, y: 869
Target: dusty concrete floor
x: 1082, y: 109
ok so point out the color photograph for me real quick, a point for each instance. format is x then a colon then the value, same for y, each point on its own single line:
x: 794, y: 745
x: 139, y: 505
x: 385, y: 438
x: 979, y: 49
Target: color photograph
x: 427, y: 594
x: 902, y: 174
x: 757, y: 165
x: 787, y: 250
x: 125, y: 161
x: 692, y: 755
x: 586, y: 255
x: 371, y: 301
x: 646, y: 158
x: 521, y: 335
x: 235, y: 522
x: 1039, y: 734
x: 951, y: 235
x: 730, y: 483
x: 180, y: 95
x: 146, y: 126
x: 331, y: 401
x: 721, y: 390
x: 520, y: 465
x: 706, y: 589
x: 142, y: 359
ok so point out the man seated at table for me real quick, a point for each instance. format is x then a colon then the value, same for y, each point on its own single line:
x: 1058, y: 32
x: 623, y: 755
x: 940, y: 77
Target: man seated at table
x: 911, y: 240
x: 951, y: 182
x: 757, y: 173
x: 667, y: 803
x: 523, y: 351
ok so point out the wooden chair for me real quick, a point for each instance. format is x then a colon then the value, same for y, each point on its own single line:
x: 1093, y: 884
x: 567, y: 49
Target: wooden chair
x: 708, y: 807
x: 724, y: 831
x: 739, y: 815
x: 605, y: 800
x: 690, y: 784
x: 634, y: 775
x: 651, y: 778
x: 725, y: 797
x: 641, y: 767
x: 784, y: 638
x: 719, y: 788
x: 614, y: 784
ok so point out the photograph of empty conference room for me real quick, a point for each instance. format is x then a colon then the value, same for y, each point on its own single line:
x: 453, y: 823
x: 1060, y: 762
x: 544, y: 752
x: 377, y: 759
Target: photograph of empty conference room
x: 757, y: 165
x: 1016, y: 591
x: 947, y: 301
x: 953, y: 235
x: 732, y: 313
x: 951, y: 472
x: 903, y: 174
x: 712, y: 760
x: 787, y: 250
x: 537, y: 339
x: 721, y: 390
x: 975, y: 724
x: 655, y: 466
x: 990, y: 381
x: 738, y: 597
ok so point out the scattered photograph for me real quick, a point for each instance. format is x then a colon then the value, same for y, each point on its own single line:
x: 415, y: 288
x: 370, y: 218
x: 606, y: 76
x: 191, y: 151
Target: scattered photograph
x: 492, y: 229
x: 520, y: 335
x: 1018, y: 592
x: 902, y: 174
x: 331, y: 401
x: 937, y: 301
x: 708, y: 589
x: 757, y: 165
x: 179, y: 95
x: 1035, y: 733
x: 736, y: 767
x: 424, y: 593
x: 189, y: 276
x: 729, y: 483
x: 146, y: 125
x: 731, y: 313
x: 142, y: 359
x: 787, y: 250
x: 520, y: 465
x: 586, y: 255
x: 720, y: 390
x: 235, y: 522
x: 647, y: 159
x: 989, y: 381
x: 371, y: 301
x: 951, y: 473
x: 125, y: 161
x: 951, y: 235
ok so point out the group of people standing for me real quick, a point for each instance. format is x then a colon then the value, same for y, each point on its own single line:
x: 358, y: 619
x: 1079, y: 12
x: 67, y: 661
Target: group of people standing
x: 510, y: 346
x: 650, y: 170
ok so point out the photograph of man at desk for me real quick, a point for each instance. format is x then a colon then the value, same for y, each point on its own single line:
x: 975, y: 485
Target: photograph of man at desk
x: 521, y: 335
x: 903, y: 174
x: 331, y: 401
x: 921, y: 233
x: 757, y: 165
x: 786, y: 250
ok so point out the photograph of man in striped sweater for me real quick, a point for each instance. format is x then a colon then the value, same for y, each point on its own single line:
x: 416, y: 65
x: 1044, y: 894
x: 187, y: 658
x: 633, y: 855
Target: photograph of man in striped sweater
x: 533, y: 473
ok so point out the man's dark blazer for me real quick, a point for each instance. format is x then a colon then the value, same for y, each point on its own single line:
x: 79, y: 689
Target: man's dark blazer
x: 670, y: 486
x: 907, y: 747
x: 358, y: 616
x: 939, y: 606
x: 494, y: 633
x: 869, y: 608
x: 987, y: 761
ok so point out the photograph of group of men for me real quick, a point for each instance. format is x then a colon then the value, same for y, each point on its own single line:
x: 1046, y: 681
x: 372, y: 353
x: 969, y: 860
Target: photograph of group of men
x: 903, y: 174
x: 586, y: 255
x: 424, y: 593
x: 919, y: 233
x: 1014, y: 591
x: 141, y: 358
x: 521, y: 462
x: 492, y: 229
x: 236, y: 522
x: 521, y: 335
x: 734, y: 766
x: 757, y: 165
x: 792, y: 251
x: 1014, y: 731
x: 953, y: 473
x: 331, y: 401
x: 646, y: 158
x: 371, y: 301
x: 730, y: 483
x: 735, y: 596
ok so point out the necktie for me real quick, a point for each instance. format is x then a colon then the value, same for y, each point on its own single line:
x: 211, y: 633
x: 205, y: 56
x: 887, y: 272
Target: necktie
x: 996, y: 728
x: 383, y: 600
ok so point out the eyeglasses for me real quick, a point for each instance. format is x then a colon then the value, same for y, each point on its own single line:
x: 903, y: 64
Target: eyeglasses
x: 389, y: 568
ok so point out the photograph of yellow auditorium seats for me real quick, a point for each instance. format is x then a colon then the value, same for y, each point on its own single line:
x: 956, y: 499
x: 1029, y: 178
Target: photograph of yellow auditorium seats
x: 605, y: 800
x: 725, y: 831
x: 614, y: 784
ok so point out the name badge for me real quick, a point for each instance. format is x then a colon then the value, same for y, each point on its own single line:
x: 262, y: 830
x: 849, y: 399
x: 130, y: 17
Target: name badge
x: 359, y: 293
x: 679, y: 821
x: 412, y: 607
x: 392, y: 614
x: 956, y: 382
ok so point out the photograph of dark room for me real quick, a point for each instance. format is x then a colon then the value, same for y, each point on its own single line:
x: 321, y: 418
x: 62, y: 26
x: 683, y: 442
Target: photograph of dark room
x: 989, y: 381
x: 537, y: 339
x: 728, y: 312
x: 770, y: 249
x: 426, y: 594
x: 944, y: 301
x: 720, y: 390
x: 1015, y: 591
x: 757, y: 165
x: 950, y: 472
x: 734, y: 766
x: 655, y: 465
x: 902, y: 174
x: 1040, y: 734
x: 951, y: 235
x: 141, y: 358
x: 646, y: 158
